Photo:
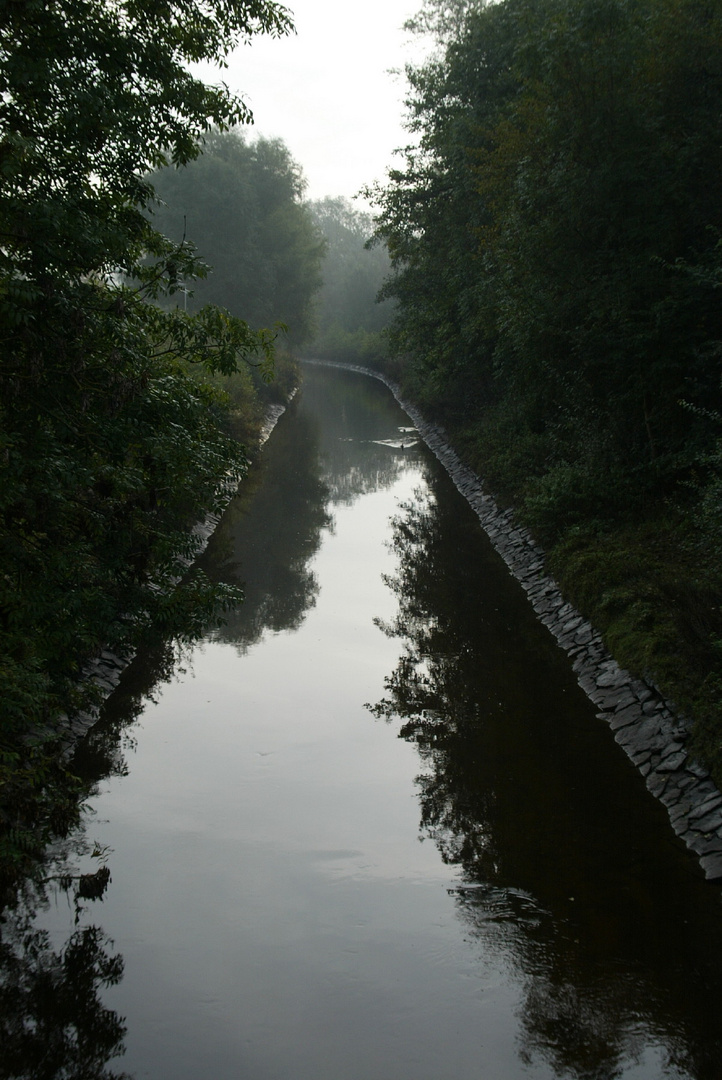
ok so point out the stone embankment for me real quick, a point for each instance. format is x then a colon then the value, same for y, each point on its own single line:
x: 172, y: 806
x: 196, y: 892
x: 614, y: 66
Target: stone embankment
x: 642, y: 722
x: 105, y: 670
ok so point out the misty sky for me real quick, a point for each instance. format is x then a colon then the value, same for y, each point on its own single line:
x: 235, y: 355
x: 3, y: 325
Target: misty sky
x: 326, y: 91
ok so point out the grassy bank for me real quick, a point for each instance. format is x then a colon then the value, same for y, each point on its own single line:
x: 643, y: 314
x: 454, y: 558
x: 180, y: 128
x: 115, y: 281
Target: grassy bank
x: 641, y: 568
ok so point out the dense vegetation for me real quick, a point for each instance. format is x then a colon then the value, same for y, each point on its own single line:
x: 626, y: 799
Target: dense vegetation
x: 350, y: 321
x: 111, y: 444
x: 240, y: 204
x: 555, y: 236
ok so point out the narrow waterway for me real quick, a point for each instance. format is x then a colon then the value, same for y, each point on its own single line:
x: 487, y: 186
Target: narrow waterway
x: 372, y: 828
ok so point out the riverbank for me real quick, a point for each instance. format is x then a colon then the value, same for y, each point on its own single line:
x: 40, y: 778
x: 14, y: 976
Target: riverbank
x: 646, y: 726
x: 105, y: 670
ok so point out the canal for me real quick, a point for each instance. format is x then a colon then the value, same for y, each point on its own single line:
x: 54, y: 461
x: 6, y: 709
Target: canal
x: 371, y: 829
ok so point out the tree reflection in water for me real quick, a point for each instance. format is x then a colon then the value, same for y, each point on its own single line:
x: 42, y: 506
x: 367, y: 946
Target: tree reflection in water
x: 53, y: 1025
x: 271, y: 531
x: 592, y: 931
x: 253, y: 546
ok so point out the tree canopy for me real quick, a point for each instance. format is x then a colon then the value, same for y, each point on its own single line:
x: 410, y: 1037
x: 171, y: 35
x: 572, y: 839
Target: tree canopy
x: 555, y: 237
x: 548, y: 231
x: 240, y: 204
x: 109, y: 448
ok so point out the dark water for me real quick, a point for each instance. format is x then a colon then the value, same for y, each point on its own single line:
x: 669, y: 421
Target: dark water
x: 372, y: 829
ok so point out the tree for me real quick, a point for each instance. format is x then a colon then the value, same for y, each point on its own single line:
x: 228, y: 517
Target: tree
x: 241, y: 204
x: 562, y: 175
x: 350, y: 316
x: 432, y: 215
x: 109, y: 449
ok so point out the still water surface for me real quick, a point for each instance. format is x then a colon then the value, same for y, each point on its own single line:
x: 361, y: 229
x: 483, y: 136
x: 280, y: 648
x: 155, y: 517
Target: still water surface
x: 372, y: 829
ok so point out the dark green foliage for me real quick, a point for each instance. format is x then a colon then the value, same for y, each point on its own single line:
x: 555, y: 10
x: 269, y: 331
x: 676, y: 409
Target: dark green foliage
x: 240, y: 204
x: 554, y: 240
x: 53, y: 1021
x: 536, y: 231
x: 109, y: 447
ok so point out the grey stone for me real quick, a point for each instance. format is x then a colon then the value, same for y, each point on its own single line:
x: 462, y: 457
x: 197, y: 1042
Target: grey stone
x: 630, y: 715
x: 703, y: 789
x: 586, y: 682
x: 710, y: 803
x: 711, y: 845
x: 656, y: 783
x: 710, y: 822
x: 712, y: 866
x: 612, y: 677
x: 681, y: 826
x: 680, y: 810
x: 646, y: 733
x: 618, y: 698
x: 694, y: 842
x: 639, y: 757
x: 671, y: 794
x: 672, y: 762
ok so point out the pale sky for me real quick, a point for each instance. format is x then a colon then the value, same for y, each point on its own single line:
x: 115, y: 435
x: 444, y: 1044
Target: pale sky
x: 326, y: 90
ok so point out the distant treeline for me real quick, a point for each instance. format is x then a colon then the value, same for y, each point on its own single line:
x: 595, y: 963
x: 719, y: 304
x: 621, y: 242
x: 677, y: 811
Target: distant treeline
x: 274, y: 258
x: 555, y: 235
x: 240, y: 204
x: 350, y: 320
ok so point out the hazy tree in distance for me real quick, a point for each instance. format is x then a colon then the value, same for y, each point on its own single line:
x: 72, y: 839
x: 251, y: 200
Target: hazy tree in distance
x: 350, y: 316
x: 240, y: 204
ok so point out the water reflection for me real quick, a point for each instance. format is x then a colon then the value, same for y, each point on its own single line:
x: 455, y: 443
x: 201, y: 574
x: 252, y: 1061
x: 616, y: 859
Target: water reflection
x: 273, y: 528
x: 270, y: 533
x: 53, y: 1022
x: 307, y: 941
x: 592, y: 917
x: 355, y: 410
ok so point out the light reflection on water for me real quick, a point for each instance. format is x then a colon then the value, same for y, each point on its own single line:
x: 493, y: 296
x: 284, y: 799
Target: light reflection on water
x: 299, y: 893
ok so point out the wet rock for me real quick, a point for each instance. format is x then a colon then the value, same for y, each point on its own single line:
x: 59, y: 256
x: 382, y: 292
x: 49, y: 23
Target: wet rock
x: 619, y: 698
x: 625, y: 717
x: 710, y: 822
x: 672, y: 762
x: 712, y: 866
x: 711, y: 803
x: 656, y: 783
